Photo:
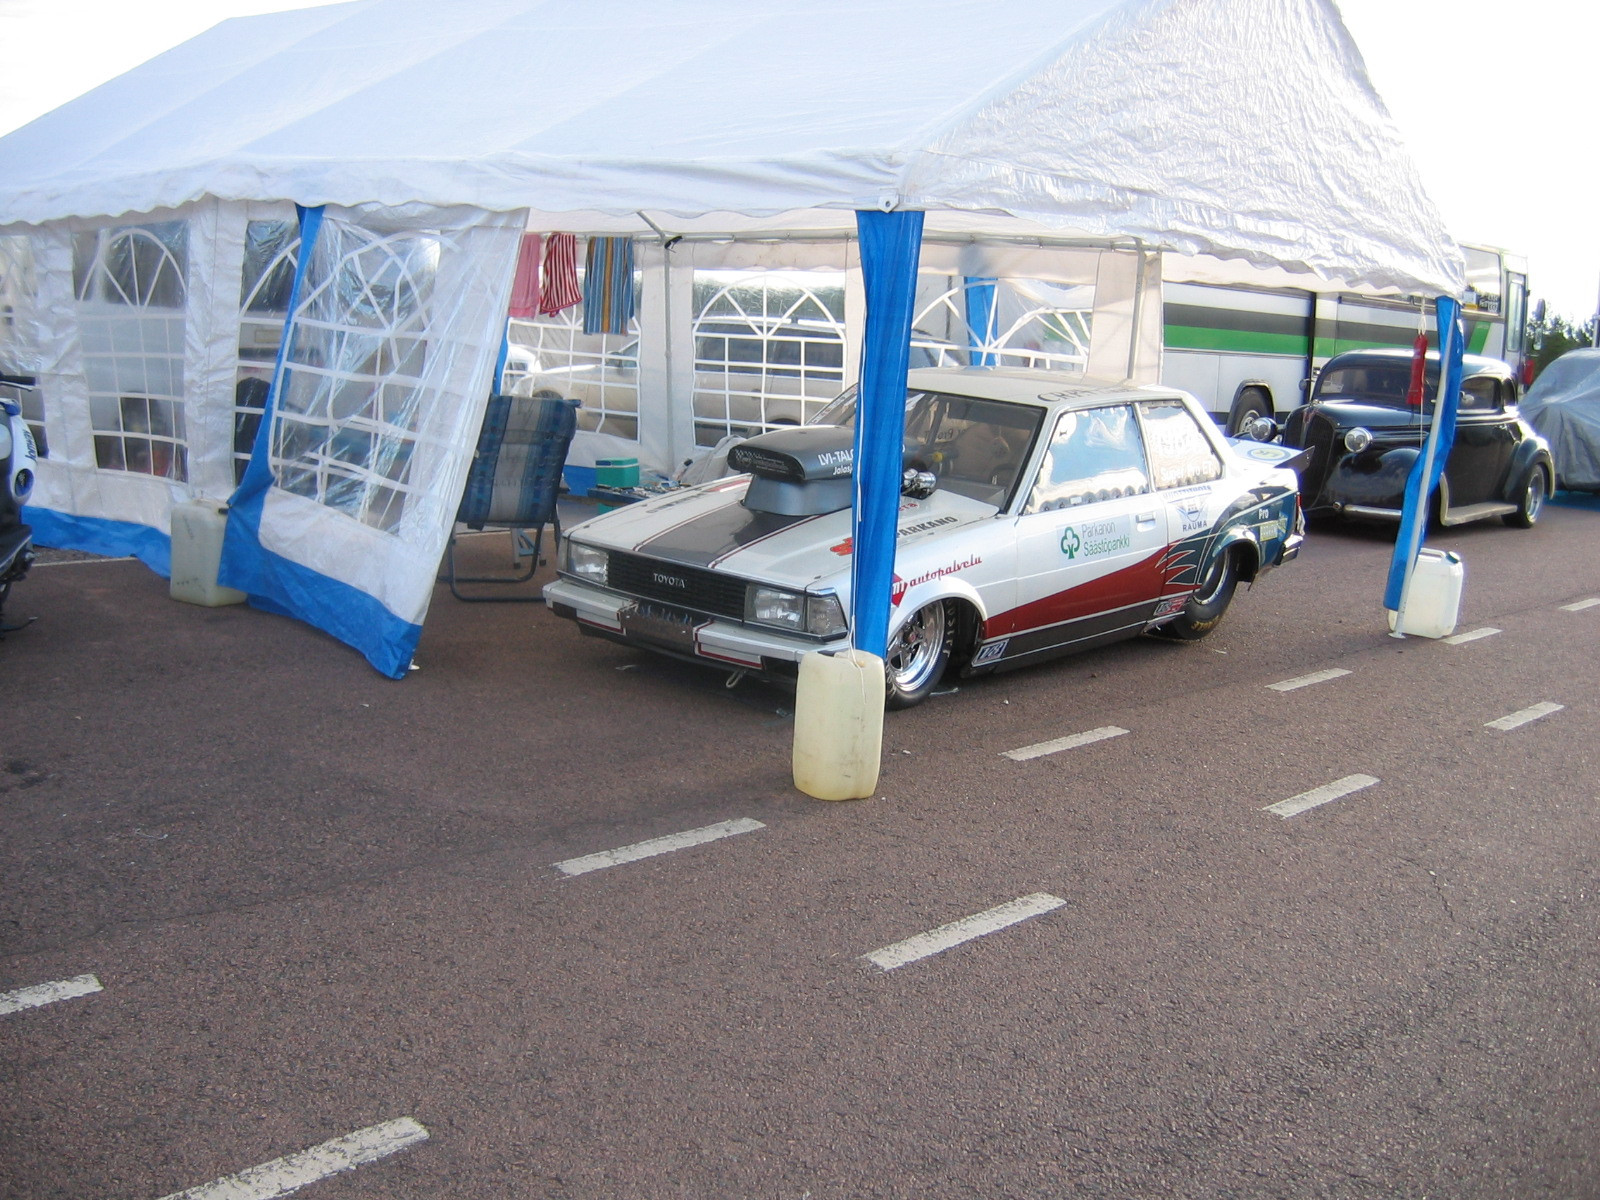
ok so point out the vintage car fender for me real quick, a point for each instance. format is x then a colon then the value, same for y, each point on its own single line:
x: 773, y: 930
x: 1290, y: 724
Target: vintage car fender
x: 1368, y: 480
x: 1528, y: 455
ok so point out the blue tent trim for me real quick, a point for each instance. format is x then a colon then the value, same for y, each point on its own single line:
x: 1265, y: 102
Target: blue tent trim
x: 980, y: 290
x: 100, y: 535
x: 891, y: 243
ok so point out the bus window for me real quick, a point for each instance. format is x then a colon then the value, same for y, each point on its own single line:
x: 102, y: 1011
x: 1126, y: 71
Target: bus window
x: 1483, y: 279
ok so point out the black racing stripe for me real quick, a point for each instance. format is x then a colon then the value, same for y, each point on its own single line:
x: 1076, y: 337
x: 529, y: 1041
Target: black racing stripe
x: 703, y: 540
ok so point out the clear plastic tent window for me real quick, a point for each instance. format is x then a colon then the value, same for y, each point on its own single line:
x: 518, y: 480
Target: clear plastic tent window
x: 347, y: 415
x: 131, y: 287
x: 769, y: 349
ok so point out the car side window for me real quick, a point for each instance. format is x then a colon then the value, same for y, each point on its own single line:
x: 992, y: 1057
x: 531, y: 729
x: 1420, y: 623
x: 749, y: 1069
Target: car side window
x: 1481, y: 394
x: 1094, y: 454
x: 1180, y: 453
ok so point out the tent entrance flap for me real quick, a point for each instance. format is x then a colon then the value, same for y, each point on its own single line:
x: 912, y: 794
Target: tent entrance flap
x: 382, y: 377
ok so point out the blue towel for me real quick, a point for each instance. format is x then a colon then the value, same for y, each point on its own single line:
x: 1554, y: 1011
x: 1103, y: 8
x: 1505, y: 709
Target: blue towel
x: 608, y: 285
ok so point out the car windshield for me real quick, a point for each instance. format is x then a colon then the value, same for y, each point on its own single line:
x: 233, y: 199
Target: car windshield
x: 1385, y: 384
x: 975, y: 447
x: 1372, y: 383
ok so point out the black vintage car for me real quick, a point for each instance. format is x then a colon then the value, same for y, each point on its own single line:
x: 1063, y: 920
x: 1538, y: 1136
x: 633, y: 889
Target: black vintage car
x: 1363, y: 437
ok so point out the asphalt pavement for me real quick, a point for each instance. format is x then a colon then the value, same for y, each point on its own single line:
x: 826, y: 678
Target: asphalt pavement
x: 547, y: 918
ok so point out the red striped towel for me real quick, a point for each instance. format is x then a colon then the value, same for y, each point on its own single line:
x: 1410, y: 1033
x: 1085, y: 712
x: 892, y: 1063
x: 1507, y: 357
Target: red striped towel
x: 525, y: 287
x: 560, y: 274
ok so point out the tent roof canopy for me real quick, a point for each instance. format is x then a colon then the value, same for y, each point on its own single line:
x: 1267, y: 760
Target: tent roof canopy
x: 1242, y: 130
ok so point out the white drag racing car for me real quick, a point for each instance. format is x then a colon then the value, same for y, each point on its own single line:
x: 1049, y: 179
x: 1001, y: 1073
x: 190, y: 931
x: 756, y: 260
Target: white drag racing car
x: 1043, y: 513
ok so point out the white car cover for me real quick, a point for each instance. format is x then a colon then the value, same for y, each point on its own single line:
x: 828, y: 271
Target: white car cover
x: 1564, y: 406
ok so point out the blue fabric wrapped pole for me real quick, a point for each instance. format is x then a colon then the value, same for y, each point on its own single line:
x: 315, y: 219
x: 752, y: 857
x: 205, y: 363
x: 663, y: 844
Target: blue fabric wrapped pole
x: 1429, y: 466
x: 891, y: 244
x: 980, y: 319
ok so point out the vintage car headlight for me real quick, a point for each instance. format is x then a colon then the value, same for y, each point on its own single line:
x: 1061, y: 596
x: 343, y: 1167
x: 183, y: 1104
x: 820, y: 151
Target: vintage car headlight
x: 587, y: 562
x: 1357, y: 440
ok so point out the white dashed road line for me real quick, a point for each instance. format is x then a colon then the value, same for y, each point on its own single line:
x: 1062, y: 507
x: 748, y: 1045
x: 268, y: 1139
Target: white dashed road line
x: 1524, y: 715
x: 1471, y: 635
x: 660, y: 845
x: 284, y: 1175
x: 1289, y: 685
x: 1580, y: 605
x: 1040, y: 749
x: 1336, y: 790
x: 48, y: 993
x: 964, y: 930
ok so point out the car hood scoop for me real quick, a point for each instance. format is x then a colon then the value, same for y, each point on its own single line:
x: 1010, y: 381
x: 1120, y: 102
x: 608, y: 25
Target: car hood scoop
x: 801, y: 472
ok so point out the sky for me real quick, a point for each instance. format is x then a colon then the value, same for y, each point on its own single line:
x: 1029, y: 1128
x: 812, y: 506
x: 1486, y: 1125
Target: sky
x: 1496, y: 101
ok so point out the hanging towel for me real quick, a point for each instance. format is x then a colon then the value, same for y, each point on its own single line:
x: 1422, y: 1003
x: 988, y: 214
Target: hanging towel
x: 525, y: 287
x: 608, y: 285
x: 560, y: 274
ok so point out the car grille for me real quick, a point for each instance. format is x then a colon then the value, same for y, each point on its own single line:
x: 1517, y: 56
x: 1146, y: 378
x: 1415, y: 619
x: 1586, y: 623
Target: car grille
x: 1316, y: 435
x: 701, y: 590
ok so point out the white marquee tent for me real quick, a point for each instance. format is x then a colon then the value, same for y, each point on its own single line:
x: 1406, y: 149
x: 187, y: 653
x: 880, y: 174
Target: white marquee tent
x: 142, y: 225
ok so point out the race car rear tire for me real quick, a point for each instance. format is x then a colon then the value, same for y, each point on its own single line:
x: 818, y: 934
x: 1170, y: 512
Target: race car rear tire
x: 1210, y: 601
x: 917, y: 656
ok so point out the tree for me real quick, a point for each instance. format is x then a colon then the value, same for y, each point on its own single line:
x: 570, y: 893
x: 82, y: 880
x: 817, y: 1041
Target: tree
x: 1551, y: 335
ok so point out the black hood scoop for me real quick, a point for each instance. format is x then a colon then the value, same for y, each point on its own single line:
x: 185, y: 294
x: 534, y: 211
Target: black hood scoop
x: 801, y: 472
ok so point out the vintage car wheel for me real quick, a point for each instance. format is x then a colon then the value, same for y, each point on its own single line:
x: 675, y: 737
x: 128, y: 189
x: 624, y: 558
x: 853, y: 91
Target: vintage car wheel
x: 1210, y: 600
x: 917, y: 655
x: 1531, y: 502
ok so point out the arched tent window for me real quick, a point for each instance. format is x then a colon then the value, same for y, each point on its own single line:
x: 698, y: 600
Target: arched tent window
x: 347, y: 420
x: 131, y: 288
x: 599, y: 370
x: 19, y: 353
x: 1030, y: 323
x: 769, y: 349
x: 270, y: 252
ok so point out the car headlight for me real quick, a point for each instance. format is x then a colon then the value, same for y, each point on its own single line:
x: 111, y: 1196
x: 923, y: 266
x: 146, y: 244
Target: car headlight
x: 587, y: 562
x: 825, y: 617
x: 820, y: 616
x: 1357, y: 440
x: 774, y: 606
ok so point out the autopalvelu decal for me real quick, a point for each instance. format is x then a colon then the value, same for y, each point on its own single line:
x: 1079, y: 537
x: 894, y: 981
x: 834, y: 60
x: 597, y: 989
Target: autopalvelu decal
x: 901, y: 586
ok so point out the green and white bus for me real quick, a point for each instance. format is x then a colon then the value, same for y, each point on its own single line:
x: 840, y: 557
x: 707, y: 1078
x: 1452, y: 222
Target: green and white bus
x: 1246, y: 352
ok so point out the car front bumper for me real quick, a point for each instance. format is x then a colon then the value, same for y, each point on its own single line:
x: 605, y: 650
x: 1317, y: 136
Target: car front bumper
x: 710, y: 640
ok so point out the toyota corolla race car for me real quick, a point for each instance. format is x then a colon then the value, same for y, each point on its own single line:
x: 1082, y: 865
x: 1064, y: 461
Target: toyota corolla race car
x: 1043, y: 513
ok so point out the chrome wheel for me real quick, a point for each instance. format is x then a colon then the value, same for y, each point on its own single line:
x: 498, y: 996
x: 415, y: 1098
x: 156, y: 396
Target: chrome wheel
x: 917, y: 655
x: 1531, y: 503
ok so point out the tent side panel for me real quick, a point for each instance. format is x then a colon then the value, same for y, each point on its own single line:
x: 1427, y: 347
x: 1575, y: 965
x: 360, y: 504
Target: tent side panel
x: 386, y: 370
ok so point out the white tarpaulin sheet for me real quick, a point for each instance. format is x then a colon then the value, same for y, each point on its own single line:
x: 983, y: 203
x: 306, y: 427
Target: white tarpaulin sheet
x: 1564, y: 405
x: 1239, y: 129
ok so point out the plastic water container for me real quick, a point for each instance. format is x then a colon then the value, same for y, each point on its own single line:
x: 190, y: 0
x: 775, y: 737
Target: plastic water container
x: 197, y: 529
x: 1433, y: 604
x: 838, y: 725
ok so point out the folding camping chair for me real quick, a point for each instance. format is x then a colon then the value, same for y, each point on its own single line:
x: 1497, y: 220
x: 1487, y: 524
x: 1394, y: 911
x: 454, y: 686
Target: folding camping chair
x: 514, y: 481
